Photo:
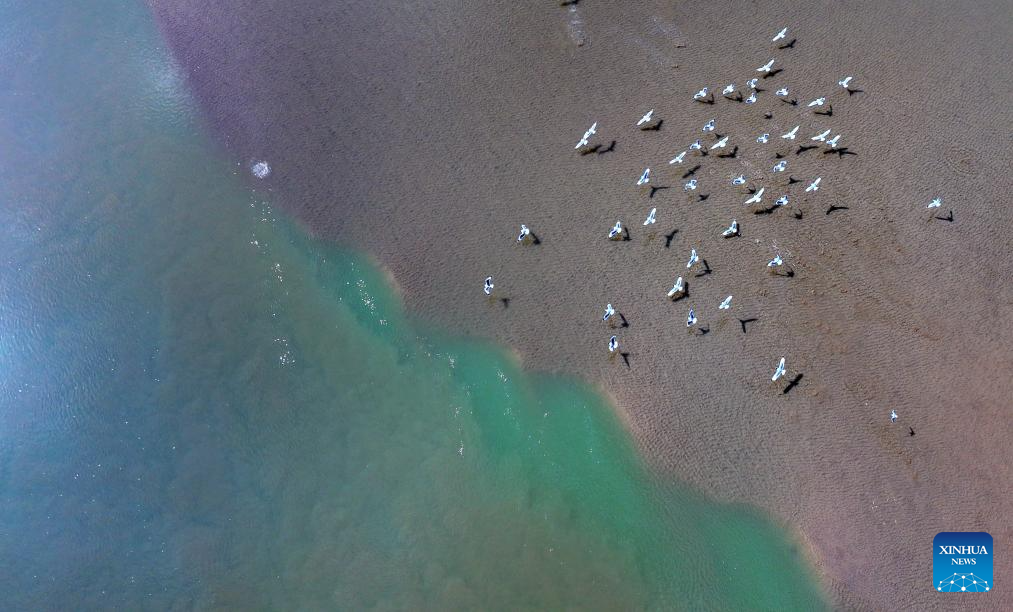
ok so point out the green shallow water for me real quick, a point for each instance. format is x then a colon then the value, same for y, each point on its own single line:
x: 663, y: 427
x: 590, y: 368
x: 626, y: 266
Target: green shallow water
x: 203, y: 407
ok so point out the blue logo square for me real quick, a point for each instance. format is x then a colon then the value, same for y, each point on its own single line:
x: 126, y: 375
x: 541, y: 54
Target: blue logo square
x: 962, y: 562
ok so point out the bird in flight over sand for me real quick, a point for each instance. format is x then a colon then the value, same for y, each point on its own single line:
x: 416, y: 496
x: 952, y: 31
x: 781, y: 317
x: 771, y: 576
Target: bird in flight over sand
x: 613, y: 344
x: 779, y: 372
x: 751, y: 83
x: 609, y: 311
x: 696, y: 146
x: 791, y: 135
x: 729, y: 88
x: 739, y: 180
x: 720, y: 144
x: 690, y: 185
x: 645, y: 178
x: 691, y: 319
x: 844, y: 82
x: 817, y: 102
x: 616, y: 230
x: 709, y: 126
x: 488, y: 285
x: 676, y: 288
x: 766, y: 67
x: 935, y: 203
x: 893, y: 416
x: 588, y: 134
x: 777, y: 261
x: 781, y: 201
x: 731, y: 230
x: 525, y: 232
x: 815, y: 185
x: 678, y: 158
x: 693, y: 258
x: 781, y: 165
x: 751, y: 98
x: 780, y: 35
x: 756, y: 197
x: 832, y: 143
x: 821, y: 137
x: 650, y: 217
x: 763, y: 138
x: 700, y: 95
x: 726, y: 303
x: 646, y: 118
x: 781, y: 92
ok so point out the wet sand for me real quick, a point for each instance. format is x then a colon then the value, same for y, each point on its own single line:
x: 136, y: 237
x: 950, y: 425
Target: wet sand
x: 426, y: 133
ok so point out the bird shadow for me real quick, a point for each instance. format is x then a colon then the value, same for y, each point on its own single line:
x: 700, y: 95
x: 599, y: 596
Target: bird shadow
x: 691, y: 171
x: 768, y: 115
x: 669, y: 237
x: 743, y: 322
x: 626, y: 358
x: 911, y: 431
x: 654, y: 189
x: 803, y: 148
x: 706, y: 269
x: 608, y: 149
x: 505, y: 301
x: 798, y: 214
x: 701, y: 101
x: 703, y: 196
x: 792, y: 383
x: 948, y: 217
x: 835, y: 207
x: 792, y: 102
x: 568, y: 2
x: 789, y: 273
x: 703, y: 331
x: 736, y: 98
x: 788, y: 45
x: 626, y: 234
x: 827, y: 113
x: 773, y: 73
x: 776, y: 156
x: 852, y: 92
x: 655, y: 127
x: 840, y: 152
x: 731, y: 154
x: 792, y: 180
x: 624, y: 323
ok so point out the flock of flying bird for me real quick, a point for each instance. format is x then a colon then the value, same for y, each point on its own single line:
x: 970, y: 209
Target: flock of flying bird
x: 649, y: 121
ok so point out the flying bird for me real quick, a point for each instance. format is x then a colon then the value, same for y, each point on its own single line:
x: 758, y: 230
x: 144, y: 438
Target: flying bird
x: 696, y: 146
x: 613, y: 344
x: 781, y: 165
x: 728, y: 89
x: 646, y: 118
x: 844, y: 82
x: 777, y: 261
x: 525, y: 232
x: 645, y: 178
x: 720, y: 144
x: 731, y: 230
x: 616, y: 230
x: 690, y: 185
x: 709, y: 126
x: 893, y: 416
x: 778, y: 373
x: 780, y: 35
x: 815, y: 185
x: 739, y: 180
x: 756, y: 197
x: 700, y: 95
x: 766, y: 67
x: 751, y: 98
x: 650, y: 217
x: 817, y: 102
x: 935, y: 203
x: 691, y: 319
x: 488, y: 285
x: 677, y: 288
x: 791, y: 135
x: 763, y: 138
x: 726, y: 304
x: 693, y: 258
x: 752, y: 83
x: 609, y: 311
x: 588, y: 134
x: 678, y: 158
x: 781, y: 201
x: 832, y: 143
x: 782, y: 92
x: 821, y: 137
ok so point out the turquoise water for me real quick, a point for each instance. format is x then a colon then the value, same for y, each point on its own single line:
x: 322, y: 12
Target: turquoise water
x: 203, y: 407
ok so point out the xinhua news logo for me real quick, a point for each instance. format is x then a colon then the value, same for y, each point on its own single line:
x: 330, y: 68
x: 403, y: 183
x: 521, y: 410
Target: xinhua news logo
x: 962, y: 562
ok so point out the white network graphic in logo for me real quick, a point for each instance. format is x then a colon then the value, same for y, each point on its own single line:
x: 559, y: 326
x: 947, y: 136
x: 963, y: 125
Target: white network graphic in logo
x: 962, y: 582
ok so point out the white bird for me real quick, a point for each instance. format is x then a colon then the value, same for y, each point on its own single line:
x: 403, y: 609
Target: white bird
x: 701, y: 94
x: 893, y: 413
x: 756, y: 197
x: 690, y: 185
x: 691, y: 319
x: 720, y: 144
x: 696, y: 146
x: 781, y: 201
x: 678, y: 158
x: 609, y: 311
x: 777, y: 261
x: 791, y: 135
x: 821, y: 137
x: 693, y: 258
x: 815, y: 185
x: 588, y: 134
x: 779, y: 372
x: 782, y: 92
x: 763, y: 138
x: 832, y: 143
x: 935, y: 203
x: 844, y: 82
x: 709, y: 126
x: 646, y: 118
x: 780, y: 35
x: 739, y: 180
x: 676, y: 288
x: 726, y: 304
x: 728, y: 89
x: 731, y: 230
x: 613, y: 344
x: 616, y: 229
x: 817, y: 102
x: 752, y: 83
x: 645, y: 178
x: 781, y: 165
x: 650, y: 217
x: 525, y: 232
x: 488, y: 285
x: 751, y: 98
x: 766, y: 67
